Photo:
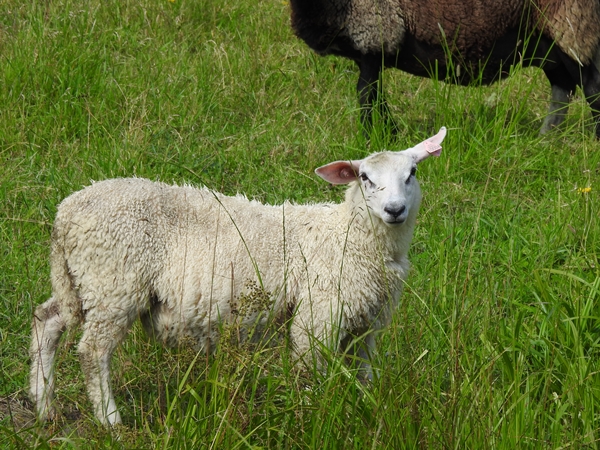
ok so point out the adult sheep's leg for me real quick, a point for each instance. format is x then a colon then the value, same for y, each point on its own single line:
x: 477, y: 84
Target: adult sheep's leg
x: 367, y: 87
x: 370, y: 92
x: 591, y: 89
x: 101, y: 336
x: 557, y: 110
x: 48, y: 327
x: 564, y: 76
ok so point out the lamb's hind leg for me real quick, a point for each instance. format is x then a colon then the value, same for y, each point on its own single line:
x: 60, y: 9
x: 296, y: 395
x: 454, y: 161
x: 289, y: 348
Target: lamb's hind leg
x: 366, y: 350
x: 48, y: 327
x: 101, y: 336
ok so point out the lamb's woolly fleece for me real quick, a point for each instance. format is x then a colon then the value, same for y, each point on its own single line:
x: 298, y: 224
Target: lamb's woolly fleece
x: 142, y: 245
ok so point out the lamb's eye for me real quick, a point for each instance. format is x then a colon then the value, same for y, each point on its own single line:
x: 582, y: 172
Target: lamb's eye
x: 366, y: 181
x: 413, y: 171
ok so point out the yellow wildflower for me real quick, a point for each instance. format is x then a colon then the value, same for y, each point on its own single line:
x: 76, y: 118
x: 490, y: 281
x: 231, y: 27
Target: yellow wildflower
x: 584, y: 190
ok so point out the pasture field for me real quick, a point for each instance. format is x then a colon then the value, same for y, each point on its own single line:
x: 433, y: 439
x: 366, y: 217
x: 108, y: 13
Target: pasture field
x: 496, y: 343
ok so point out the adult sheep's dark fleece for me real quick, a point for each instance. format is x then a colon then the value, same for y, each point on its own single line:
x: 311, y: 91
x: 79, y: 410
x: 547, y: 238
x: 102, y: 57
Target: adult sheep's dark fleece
x: 484, y: 38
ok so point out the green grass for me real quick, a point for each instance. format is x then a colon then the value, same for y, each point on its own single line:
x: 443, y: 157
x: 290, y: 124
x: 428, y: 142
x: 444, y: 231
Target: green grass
x: 496, y: 343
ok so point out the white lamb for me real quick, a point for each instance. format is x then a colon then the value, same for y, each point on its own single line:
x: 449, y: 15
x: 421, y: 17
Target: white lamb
x: 179, y: 257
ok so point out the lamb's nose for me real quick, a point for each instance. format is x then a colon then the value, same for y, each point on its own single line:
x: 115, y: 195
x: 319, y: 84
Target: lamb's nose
x: 394, y: 211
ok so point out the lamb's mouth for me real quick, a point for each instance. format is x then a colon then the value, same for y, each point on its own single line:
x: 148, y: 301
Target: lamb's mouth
x: 395, y: 221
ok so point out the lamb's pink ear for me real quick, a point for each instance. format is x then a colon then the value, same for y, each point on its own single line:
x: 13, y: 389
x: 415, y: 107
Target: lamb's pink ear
x: 429, y: 147
x: 339, y: 172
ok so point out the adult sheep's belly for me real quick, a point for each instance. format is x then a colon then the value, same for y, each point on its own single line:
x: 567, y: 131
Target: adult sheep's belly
x: 476, y: 63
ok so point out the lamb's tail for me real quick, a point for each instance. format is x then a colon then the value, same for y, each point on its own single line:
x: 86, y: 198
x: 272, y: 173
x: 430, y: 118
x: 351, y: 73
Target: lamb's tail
x: 50, y: 320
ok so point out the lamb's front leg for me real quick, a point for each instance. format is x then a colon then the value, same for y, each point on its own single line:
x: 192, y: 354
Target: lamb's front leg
x: 359, y: 349
x: 305, y: 345
x: 366, y: 350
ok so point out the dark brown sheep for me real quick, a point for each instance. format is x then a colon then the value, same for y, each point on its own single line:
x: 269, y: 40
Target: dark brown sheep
x: 461, y: 41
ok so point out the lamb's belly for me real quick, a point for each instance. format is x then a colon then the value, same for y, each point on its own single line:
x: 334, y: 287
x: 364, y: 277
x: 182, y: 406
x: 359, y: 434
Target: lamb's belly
x: 204, y: 334
x: 200, y: 320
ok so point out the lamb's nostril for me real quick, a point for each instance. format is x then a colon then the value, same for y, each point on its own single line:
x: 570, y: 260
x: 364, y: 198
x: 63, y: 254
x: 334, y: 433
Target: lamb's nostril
x: 395, y: 211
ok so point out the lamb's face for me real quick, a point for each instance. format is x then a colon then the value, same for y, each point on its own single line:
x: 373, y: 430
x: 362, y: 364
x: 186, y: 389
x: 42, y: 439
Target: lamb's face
x: 390, y: 187
x: 386, y: 180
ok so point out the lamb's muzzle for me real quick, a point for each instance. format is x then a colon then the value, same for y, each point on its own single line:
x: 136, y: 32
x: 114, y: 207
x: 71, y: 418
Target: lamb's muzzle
x: 397, y: 214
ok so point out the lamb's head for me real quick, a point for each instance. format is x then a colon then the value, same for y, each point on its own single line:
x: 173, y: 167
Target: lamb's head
x: 385, y: 181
